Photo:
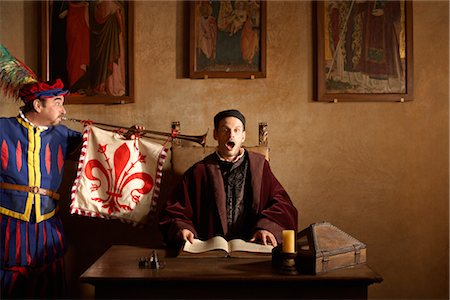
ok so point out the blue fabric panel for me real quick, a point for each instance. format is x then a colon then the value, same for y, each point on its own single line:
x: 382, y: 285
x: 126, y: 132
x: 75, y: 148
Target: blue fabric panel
x: 23, y: 243
x: 4, y: 222
x: 32, y: 242
x: 12, y: 243
x: 40, y: 243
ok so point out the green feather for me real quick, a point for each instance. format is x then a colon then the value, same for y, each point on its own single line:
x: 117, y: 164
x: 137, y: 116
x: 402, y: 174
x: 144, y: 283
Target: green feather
x: 14, y: 74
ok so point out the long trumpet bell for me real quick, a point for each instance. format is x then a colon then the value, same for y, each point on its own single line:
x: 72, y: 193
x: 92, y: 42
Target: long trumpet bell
x: 200, y: 139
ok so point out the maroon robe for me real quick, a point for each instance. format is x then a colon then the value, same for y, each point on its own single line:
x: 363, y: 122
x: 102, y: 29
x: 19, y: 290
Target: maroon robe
x: 198, y: 203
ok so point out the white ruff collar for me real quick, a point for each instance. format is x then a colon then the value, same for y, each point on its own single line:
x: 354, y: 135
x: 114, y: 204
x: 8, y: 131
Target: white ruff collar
x: 29, y: 122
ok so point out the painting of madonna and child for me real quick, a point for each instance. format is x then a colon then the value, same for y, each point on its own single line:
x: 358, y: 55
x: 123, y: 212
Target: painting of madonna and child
x: 227, y: 38
x: 89, y: 47
x: 363, y: 47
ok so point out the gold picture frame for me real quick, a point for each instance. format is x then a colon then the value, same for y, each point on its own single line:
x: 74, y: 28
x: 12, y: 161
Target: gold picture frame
x: 363, y: 50
x: 89, y: 46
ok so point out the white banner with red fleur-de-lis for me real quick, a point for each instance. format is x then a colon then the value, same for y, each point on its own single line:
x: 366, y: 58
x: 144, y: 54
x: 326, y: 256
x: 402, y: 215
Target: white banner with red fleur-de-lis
x: 117, y: 178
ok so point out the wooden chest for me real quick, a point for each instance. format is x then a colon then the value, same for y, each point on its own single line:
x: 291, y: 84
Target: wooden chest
x: 323, y: 247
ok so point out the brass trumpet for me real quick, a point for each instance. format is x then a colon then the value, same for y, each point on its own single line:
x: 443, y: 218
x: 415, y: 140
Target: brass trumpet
x: 200, y: 139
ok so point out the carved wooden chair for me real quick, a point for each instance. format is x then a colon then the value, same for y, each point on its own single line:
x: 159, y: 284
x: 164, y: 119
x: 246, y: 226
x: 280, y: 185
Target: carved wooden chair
x: 185, y: 154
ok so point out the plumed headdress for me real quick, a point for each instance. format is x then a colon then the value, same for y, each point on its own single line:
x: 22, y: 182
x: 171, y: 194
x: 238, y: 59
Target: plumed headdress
x: 19, y: 81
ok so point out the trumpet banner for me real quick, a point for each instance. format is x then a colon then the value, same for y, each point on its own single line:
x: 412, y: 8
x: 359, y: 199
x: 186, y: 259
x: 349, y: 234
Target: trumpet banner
x: 117, y: 178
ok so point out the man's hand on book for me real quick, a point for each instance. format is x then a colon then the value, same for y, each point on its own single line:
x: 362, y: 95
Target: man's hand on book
x: 187, y: 235
x: 266, y: 237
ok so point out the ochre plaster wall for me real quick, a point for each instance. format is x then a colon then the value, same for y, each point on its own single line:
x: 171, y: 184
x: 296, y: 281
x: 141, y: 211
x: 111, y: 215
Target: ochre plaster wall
x: 379, y: 171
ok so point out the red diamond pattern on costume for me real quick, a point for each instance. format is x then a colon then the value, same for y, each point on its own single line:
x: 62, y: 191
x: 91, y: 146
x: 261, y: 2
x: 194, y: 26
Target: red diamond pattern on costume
x: 4, y: 155
x: 48, y: 158
x: 60, y: 159
x: 19, y: 156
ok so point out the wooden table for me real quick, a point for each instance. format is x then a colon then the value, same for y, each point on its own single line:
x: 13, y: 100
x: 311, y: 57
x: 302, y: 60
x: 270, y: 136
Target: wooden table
x: 116, y: 274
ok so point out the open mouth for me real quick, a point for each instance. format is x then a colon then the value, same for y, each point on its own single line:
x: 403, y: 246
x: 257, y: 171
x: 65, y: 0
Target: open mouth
x: 230, y: 145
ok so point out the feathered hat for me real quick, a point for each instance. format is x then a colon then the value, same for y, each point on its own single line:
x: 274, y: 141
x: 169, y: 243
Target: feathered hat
x: 19, y: 81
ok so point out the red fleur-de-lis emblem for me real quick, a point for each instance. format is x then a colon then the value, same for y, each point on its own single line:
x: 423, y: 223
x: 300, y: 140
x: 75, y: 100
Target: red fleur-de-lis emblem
x: 117, y: 177
x: 101, y: 148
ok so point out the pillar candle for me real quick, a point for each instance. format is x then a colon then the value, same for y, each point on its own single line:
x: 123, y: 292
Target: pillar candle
x: 288, y: 241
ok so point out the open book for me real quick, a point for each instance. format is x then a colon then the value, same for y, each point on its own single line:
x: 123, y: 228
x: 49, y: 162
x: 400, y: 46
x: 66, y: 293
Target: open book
x: 218, y: 246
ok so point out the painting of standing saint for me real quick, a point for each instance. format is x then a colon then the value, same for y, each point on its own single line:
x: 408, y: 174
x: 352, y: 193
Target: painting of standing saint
x: 364, y: 49
x: 88, y: 49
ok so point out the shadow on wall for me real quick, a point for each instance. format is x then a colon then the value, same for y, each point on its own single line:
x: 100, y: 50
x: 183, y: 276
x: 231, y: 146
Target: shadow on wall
x: 88, y: 238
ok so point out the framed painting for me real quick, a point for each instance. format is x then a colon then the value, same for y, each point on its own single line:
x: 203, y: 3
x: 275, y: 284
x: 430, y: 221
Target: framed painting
x: 227, y: 39
x: 89, y: 46
x: 363, y: 50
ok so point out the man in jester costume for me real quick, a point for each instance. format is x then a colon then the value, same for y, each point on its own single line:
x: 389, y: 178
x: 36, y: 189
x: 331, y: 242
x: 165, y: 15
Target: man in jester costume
x: 33, y: 149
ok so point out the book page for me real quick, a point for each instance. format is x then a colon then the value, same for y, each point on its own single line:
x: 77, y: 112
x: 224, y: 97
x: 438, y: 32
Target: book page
x: 200, y: 246
x: 243, y: 246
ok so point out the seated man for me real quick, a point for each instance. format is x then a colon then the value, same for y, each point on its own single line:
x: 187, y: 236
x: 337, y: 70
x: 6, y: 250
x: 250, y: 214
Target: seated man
x: 232, y: 193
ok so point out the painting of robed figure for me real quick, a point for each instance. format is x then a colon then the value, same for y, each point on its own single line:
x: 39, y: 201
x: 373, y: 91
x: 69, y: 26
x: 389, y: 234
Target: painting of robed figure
x: 364, y: 50
x: 88, y: 49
